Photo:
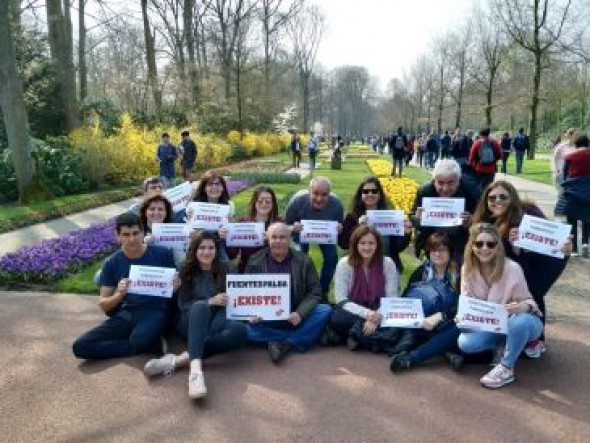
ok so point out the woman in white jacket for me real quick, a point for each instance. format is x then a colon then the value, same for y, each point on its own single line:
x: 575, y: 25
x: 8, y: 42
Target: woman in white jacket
x: 361, y: 279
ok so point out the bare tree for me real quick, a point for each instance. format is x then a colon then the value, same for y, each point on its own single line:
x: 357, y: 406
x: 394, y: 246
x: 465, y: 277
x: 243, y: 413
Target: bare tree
x: 150, y: 55
x: 305, y: 31
x: 82, y: 68
x: 12, y: 103
x: 539, y: 27
x: 460, y: 62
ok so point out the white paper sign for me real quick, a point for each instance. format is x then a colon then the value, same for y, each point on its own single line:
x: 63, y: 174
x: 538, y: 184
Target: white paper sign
x: 208, y: 216
x: 442, y: 212
x: 479, y: 315
x: 179, y: 196
x: 401, y: 312
x: 171, y: 235
x: 151, y: 280
x: 244, y: 234
x: 319, y: 232
x: 267, y: 296
x: 542, y: 236
x: 387, y: 222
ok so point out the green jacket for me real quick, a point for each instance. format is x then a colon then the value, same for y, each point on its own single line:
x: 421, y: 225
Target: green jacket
x: 306, y: 290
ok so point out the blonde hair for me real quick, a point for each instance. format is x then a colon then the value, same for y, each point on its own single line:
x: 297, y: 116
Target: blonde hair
x: 472, y: 263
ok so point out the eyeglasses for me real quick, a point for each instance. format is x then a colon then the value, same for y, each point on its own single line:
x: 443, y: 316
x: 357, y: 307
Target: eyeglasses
x: 151, y: 187
x: 498, y: 198
x: 489, y: 244
x: 214, y: 184
x: 370, y: 191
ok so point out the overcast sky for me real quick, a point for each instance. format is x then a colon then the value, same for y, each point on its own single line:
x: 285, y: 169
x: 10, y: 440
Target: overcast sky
x: 385, y: 36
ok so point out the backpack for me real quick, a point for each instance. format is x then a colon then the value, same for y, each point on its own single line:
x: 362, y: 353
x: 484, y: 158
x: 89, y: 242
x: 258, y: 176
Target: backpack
x: 311, y: 145
x: 487, y: 156
x: 436, y: 296
x: 399, y: 142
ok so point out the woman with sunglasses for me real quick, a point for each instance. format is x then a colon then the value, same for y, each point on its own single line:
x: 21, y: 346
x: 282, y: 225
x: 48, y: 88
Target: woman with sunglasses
x: 202, y: 323
x: 370, y: 196
x: 487, y: 274
x: 263, y: 208
x: 502, y: 206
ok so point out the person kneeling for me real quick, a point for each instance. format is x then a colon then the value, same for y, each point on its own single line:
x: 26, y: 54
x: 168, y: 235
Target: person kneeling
x: 308, y: 318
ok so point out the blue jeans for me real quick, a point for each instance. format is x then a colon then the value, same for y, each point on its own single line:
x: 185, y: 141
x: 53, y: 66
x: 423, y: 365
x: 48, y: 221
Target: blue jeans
x: 128, y: 332
x: 519, y: 155
x: 312, y: 156
x: 438, y: 342
x: 208, y: 331
x: 330, y: 260
x: 302, y: 337
x: 505, y: 155
x: 522, y: 328
x: 431, y: 158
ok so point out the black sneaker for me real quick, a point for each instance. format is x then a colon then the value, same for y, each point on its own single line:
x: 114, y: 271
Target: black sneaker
x: 329, y: 337
x: 455, y: 360
x: 400, y: 361
x: 352, y: 344
x: 278, y: 349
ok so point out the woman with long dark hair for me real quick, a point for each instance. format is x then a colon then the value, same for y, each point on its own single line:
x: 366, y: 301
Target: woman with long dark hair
x: 203, y: 324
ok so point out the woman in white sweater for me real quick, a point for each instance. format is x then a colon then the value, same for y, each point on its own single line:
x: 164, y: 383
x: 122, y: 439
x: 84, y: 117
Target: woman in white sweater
x: 361, y: 279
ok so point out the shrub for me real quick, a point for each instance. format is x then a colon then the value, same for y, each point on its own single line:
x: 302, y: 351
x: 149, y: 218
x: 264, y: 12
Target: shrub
x: 266, y: 177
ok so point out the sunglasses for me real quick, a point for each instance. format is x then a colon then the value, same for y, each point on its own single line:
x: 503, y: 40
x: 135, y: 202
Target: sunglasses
x: 498, y: 198
x: 488, y: 244
x: 370, y: 191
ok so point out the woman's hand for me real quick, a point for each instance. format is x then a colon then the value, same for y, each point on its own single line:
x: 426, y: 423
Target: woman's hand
x: 220, y: 299
x: 432, y: 321
x: 222, y: 232
x: 369, y: 328
x: 255, y: 319
x: 517, y: 307
x: 466, y: 216
x: 408, y: 227
x: 189, y: 213
x: 513, y: 235
x: 363, y: 220
x: 568, y: 246
x: 176, y: 281
x: 149, y: 239
x: 297, y: 227
x: 374, y: 317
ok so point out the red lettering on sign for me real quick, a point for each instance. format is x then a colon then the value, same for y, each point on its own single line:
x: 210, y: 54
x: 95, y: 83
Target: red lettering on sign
x: 540, y: 239
x: 482, y: 319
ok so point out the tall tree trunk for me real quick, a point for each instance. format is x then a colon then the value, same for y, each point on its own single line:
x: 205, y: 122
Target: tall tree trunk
x: 460, y: 96
x: 60, y: 42
x: 489, y: 92
x: 189, y: 38
x: 82, y: 69
x: 150, y: 54
x: 441, y: 99
x: 305, y: 91
x: 534, y: 106
x: 12, y: 103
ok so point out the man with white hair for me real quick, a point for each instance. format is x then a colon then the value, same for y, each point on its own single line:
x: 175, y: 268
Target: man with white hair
x: 446, y: 183
x: 318, y: 203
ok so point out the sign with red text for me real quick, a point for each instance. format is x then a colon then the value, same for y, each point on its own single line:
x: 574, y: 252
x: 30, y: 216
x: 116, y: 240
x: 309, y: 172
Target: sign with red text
x: 319, y: 232
x: 479, y: 315
x: 399, y: 312
x: 542, y: 235
x: 442, y: 212
x: 267, y: 296
x: 244, y: 234
x: 179, y: 196
x: 151, y: 280
x: 210, y: 216
x: 171, y: 235
x: 387, y: 222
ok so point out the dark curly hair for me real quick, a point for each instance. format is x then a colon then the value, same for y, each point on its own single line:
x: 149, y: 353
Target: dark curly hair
x: 274, y: 212
x: 191, y: 266
x: 201, y: 193
x: 358, y: 208
x: 146, y: 204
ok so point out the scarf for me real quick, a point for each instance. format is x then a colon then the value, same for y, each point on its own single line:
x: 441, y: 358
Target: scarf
x: 367, y: 287
x: 451, y: 276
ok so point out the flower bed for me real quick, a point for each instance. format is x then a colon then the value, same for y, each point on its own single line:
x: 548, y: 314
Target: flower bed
x: 253, y: 166
x: 400, y: 192
x: 50, y: 260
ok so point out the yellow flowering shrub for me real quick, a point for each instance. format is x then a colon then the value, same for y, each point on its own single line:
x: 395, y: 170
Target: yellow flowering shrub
x: 234, y: 137
x: 379, y: 168
x: 213, y: 151
x: 400, y: 192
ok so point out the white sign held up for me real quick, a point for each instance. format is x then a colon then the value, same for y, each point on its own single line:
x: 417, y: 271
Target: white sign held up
x: 319, y: 232
x: 480, y: 315
x: 244, y: 234
x: 208, y: 216
x: 171, y: 235
x: 442, y: 212
x: 267, y: 296
x: 151, y: 280
x: 401, y: 312
x: 543, y: 236
x: 179, y: 196
x: 387, y: 222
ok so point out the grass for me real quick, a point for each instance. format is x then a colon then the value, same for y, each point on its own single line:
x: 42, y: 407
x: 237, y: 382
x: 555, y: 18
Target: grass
x: 538, y: 170
x: 344, y: 184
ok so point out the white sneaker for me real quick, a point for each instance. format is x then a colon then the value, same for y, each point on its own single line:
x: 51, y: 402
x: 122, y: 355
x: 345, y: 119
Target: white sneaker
x: 499, y: 376
x: 196, y: 385
x: 160, y: 366
x: 534, y: 349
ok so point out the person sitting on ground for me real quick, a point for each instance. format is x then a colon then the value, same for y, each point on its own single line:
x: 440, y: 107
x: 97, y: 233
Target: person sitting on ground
x: 362, y: 278
x: 369, y: 195
x: 202, y: 323
x: 487, y: 274
x: 436, y: 282
x: 446, y: 183
x: 263, y: 208
x: 501, y: 205
x: 308, y: 318
x: 317, y: 203
x: 136, y: 322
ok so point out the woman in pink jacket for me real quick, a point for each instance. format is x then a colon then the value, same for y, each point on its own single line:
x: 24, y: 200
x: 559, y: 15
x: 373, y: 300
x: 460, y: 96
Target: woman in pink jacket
x: 487, y: 274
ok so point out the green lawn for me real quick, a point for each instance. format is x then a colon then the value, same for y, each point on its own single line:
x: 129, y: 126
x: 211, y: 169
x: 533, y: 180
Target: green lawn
x: 538, y: 170
x: 344, y: 183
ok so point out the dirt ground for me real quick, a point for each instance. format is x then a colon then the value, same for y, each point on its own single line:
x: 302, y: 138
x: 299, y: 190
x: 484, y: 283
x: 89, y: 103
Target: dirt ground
x: 328, y: 395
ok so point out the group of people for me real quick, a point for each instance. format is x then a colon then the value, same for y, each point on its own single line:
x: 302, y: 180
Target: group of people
x: 475, y: 259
